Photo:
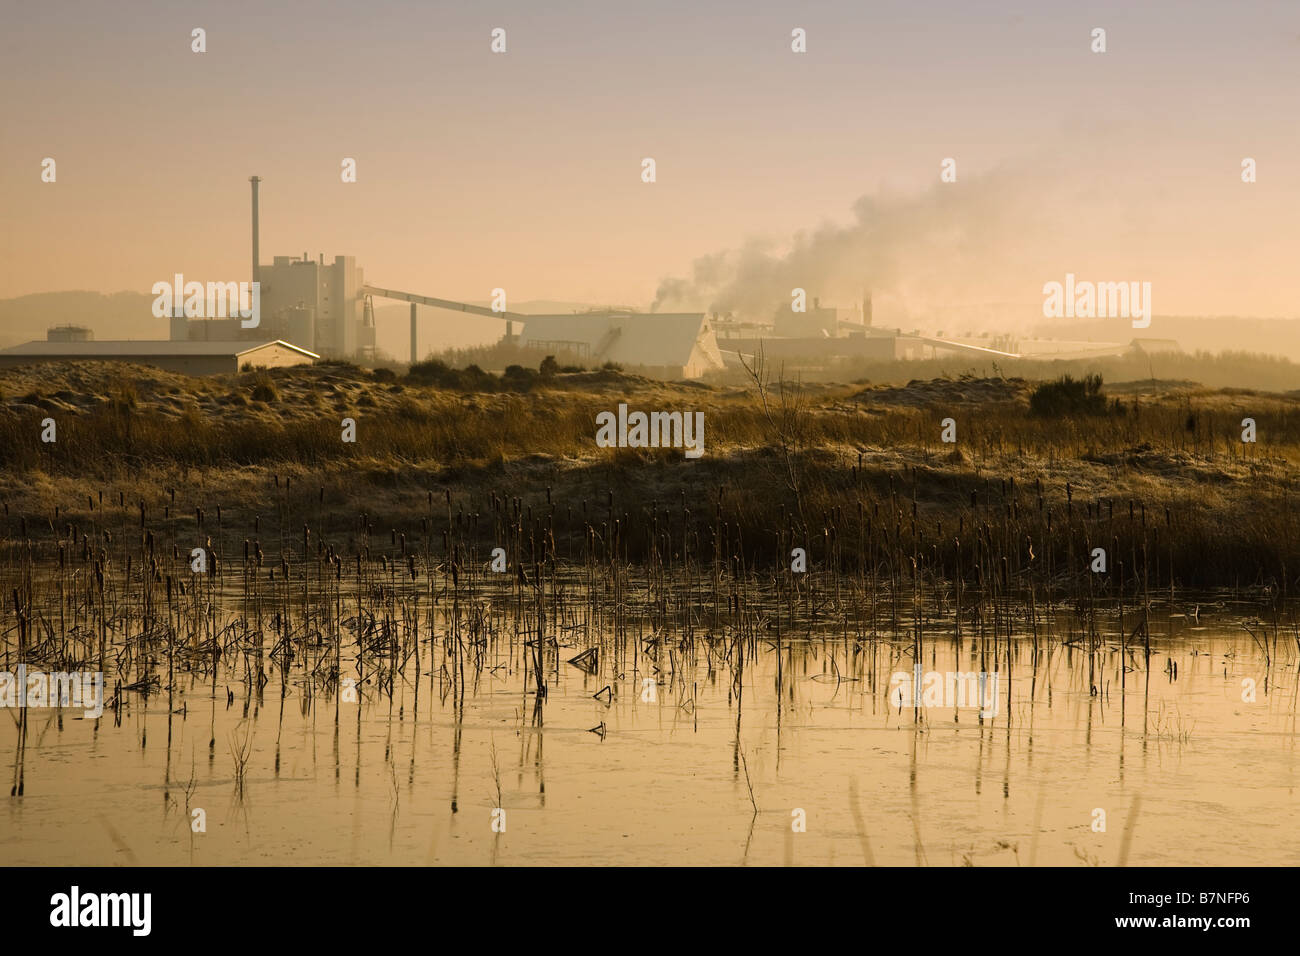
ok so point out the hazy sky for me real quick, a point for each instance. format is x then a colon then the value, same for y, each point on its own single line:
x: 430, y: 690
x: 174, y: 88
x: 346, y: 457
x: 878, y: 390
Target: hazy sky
x: 522, y: 170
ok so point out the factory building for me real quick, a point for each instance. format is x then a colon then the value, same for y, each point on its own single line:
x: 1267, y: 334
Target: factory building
x: 188, y: 358
x: 318, y: 306
x: 678, y: 345
x: 820, y: 321
x: 312, y: 303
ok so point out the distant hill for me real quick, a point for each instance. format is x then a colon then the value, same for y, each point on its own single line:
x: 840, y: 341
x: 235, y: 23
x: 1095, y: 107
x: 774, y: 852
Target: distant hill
x: 122, y: 315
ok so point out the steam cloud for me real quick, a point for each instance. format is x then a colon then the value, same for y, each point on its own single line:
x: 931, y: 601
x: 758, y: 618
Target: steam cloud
x: 921, y: 256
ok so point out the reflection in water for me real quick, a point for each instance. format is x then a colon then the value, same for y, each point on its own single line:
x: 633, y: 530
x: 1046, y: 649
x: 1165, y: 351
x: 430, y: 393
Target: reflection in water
x: 392, y: 728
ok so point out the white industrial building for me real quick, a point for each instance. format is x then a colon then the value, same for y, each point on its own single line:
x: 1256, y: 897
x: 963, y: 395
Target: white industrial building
x: 678, y: 344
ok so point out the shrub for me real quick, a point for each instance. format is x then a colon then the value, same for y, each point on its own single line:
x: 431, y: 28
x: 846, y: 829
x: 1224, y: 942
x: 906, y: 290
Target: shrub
x: 434, y: 372
x: 519, y: 379
x: 470, y: 379
x: 264, y: 390
x: 474, y: 379
x: 1068, y: 396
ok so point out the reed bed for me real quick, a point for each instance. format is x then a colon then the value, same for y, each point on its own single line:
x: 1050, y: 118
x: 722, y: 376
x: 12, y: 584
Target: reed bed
x: 372, y: 564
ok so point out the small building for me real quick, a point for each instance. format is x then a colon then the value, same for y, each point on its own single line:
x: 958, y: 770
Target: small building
x: 1154, y: 346
x: 69, y: 333
x: 675, y: 344
x: 188, y: 358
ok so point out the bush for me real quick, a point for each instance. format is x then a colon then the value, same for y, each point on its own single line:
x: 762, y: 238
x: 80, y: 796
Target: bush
x: 471, y: 379
x: 519, y: 379
x: 264, y: 391
x: 474, y: 379
x: 549, y: 367
x: 1068, y: 396
x: 434, y: 372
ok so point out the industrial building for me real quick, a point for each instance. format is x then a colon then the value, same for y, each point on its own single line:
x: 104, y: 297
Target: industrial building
x: 319, y: 306
x: 69, y: 333
x: 322, y: 307
x: 674, y: 344
x: 327, y: 308
x: 823, y: 336
x: 309, y: 302
x: 188, y: 358
x: 822, y: 321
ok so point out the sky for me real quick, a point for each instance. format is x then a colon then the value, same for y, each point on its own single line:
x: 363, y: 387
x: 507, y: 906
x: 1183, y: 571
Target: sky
x: 522, y: 170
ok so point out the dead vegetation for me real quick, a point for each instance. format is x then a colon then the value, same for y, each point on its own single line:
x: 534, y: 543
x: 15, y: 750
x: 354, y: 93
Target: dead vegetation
x: 782, y: 463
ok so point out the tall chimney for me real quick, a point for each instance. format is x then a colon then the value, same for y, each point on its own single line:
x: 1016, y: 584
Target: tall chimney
x: 256, y: 269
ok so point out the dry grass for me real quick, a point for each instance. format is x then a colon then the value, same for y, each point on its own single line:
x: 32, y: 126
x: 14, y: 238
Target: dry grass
x: 1165, y: 474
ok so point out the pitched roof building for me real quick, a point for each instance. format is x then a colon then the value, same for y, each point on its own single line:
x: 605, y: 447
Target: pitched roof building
x: 189, y: 358
x: 678, y: 344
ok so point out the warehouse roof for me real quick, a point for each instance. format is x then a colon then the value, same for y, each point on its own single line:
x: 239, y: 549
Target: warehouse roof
x: 635, y: 338
x: 142, y: 347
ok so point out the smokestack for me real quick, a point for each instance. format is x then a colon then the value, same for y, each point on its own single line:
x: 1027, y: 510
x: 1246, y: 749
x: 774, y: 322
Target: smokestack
x: 866, y: 307
x: 256, y: 269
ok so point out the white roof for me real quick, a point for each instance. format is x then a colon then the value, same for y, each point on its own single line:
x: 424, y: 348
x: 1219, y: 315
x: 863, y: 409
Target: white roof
x: 146, y: 347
